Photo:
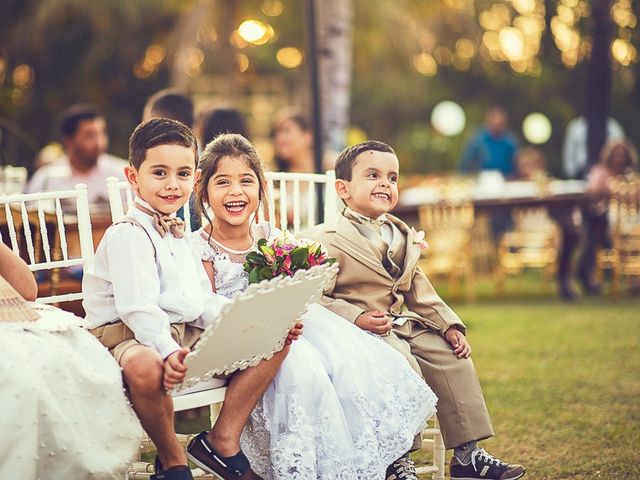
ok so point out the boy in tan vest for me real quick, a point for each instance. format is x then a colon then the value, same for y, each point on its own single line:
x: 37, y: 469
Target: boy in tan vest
x: 381, y: 288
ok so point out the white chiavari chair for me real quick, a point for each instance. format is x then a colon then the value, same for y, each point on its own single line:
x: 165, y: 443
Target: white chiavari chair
x: 293, y: 199
x: 44, y: 233
x: 121, y: 198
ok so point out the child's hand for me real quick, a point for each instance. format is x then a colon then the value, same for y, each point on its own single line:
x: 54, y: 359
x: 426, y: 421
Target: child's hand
x: 375, y: 321
x: 174, y: 369
x: 294, y: 333
x: 458, y: 341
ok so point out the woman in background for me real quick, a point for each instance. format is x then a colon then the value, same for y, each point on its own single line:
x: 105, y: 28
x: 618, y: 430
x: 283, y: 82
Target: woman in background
x: 618, y: 157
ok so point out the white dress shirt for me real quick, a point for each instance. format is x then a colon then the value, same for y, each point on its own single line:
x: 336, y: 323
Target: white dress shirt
x: 147, y: 290
x: 574, y: 149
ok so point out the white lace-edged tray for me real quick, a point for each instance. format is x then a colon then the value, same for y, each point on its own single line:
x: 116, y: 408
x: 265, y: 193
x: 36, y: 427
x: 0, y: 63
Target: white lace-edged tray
x: 254, y: 325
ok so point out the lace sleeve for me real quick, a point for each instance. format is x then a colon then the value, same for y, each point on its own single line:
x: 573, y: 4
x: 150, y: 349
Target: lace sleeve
x: 200, y: 247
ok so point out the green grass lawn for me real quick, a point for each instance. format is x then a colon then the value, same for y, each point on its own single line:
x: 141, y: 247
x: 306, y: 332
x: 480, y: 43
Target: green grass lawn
x: 562, y: 382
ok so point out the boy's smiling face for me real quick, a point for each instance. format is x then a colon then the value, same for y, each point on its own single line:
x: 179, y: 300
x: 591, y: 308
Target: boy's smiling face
x: 165, y: 178
x: 373, y: 188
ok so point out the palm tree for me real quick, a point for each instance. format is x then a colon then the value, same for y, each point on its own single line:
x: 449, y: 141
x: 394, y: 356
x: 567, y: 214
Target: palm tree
x: 599, y: 79
x: 333, y: 26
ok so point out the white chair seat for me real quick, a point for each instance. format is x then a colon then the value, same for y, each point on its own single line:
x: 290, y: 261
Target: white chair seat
x: 199, y: 387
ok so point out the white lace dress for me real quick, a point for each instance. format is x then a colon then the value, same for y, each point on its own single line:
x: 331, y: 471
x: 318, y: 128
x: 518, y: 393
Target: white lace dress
x: 64, y: 411
x: 344, y: 405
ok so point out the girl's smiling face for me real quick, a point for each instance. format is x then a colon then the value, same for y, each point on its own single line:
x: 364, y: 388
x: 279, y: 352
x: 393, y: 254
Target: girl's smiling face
x: 233, y: 192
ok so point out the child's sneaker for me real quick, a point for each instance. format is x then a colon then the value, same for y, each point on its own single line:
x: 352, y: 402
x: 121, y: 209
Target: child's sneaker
x: 484, y: 467
x: 402, y: 469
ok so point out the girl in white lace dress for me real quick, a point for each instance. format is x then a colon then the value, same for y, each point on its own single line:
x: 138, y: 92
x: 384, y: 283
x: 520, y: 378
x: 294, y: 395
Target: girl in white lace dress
x: 344, y: 405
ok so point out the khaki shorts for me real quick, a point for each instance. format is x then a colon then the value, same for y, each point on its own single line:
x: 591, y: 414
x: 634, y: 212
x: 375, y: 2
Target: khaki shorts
x: 119, y: 338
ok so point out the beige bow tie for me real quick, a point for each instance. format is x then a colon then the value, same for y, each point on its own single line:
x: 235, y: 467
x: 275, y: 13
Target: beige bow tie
x: 164, y: 223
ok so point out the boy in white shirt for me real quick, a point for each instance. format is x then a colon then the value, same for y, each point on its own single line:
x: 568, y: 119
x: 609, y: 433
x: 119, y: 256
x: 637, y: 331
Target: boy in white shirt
x: 147, y: 300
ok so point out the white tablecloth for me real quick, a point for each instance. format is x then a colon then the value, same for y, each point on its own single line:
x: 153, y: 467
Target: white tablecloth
x: 64, y: 414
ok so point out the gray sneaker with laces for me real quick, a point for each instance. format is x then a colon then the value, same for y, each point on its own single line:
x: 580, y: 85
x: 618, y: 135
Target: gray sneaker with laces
x: 483, y: 466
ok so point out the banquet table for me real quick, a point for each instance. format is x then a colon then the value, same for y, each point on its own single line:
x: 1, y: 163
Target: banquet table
x: 560, y: 198
x: 64, y: 410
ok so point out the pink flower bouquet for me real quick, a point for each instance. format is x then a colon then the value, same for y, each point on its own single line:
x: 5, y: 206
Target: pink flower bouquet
x: 284, y: 256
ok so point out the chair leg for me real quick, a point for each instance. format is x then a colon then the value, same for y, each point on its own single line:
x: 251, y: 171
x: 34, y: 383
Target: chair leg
x: 214, y: 411
x: 438, y: 453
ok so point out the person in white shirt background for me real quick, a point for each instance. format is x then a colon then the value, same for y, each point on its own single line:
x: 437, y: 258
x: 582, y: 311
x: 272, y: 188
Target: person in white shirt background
x: 83, y: 131
x: 574, y: 149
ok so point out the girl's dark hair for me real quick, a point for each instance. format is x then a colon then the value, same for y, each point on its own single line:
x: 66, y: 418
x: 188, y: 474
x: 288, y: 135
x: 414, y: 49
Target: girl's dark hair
x: 227, y: 145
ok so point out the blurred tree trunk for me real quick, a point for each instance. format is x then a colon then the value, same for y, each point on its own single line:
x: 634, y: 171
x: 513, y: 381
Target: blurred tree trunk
x: 599, y: 78
x: 334, y: 19
x: 183, y: 39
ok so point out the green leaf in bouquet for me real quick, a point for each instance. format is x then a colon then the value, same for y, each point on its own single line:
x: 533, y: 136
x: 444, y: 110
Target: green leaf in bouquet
x: 300, y: 257
x: 266, y: 273
x: 256, y: 258
x: 254, y: 276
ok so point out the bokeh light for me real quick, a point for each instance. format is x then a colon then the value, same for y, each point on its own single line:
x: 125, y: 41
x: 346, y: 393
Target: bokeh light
x: 289, y: 57
x: 425, y: 64
x: 272, y: 8
x: 256, y: 32
x: 536, y: 128
x: 448, y: 118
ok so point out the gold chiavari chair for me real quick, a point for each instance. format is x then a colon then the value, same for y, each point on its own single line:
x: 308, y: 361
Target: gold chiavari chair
x: 448, y: 228
x: 623, y: 259
x: 532, y: 243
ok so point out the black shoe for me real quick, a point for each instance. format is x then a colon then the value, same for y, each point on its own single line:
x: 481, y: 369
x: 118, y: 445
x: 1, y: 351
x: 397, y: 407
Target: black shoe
x: 566, y: 291
x: 203, y: 455
x: 483, y: 466
x: 180, y: 472
x: 402, y: 469
x: 590, y: 287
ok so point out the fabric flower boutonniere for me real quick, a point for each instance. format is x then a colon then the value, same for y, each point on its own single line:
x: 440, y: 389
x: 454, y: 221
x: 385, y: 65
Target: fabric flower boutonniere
x: 419, y: 240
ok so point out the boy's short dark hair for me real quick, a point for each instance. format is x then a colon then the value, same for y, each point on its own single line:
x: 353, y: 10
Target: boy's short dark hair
x: 344, y: 162
x: 170, y: 103
x: 71, y: 118
x: 159, y: 131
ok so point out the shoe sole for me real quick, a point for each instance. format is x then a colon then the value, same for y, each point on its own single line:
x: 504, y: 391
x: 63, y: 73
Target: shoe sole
x: 478, y: 478
x: 204, y: 467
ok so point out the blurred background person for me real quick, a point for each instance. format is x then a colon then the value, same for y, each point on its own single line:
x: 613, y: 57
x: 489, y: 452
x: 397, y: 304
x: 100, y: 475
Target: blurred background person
x: 574, y: 149
x: 493, y: 146
x: 531, y: 164
x: 214, y: 121
x: 170, y: 103
x: 292, y: 139
x: 619, y: 157
x: 84, y: 135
